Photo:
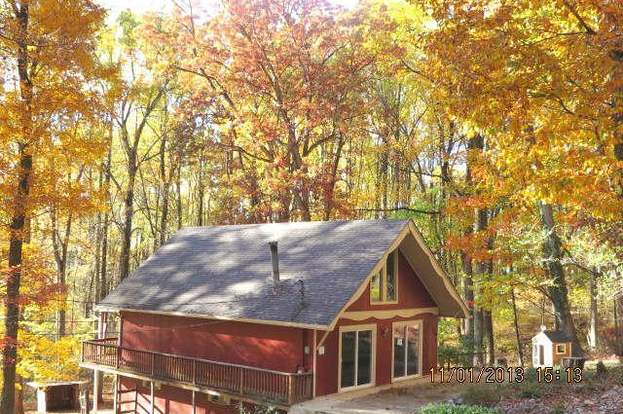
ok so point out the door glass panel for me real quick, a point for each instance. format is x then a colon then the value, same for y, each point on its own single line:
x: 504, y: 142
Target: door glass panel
x: 413, y: 350
x: 364, y: 357
x: 348, y: 359
x: 399, y: 351
x: 391, y: 276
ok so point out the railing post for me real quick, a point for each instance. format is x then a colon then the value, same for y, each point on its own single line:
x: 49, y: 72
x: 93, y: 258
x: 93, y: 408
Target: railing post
x: 194, y: 373
x: 290, y: 388
x: 153, y: 363
x: 241, y: 381
x: 118, y: 357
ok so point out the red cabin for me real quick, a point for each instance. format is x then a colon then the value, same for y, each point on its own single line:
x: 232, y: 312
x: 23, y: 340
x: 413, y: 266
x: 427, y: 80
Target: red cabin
x: 273, y: 315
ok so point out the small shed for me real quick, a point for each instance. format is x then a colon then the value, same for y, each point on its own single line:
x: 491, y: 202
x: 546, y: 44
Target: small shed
x: 58, y: 396
x: 549, y: 347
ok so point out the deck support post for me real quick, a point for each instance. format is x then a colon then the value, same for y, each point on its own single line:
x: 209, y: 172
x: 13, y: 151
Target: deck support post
x: 194, y: 403
x: 97, y: 389
x: 152, y: 401
x: 97, y: 374
x: 115, y: 392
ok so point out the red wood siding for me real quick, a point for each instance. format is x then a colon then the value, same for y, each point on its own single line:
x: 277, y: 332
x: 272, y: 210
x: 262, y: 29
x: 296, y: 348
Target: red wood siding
x: 264, y: 346
x: 411, y: 292
x: 326, y: 365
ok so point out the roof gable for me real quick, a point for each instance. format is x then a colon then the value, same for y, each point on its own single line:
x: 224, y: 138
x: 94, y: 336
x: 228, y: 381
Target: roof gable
x: 541, y: 337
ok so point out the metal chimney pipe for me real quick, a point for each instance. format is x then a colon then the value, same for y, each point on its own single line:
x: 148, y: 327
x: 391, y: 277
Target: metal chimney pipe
x: 274, y: 252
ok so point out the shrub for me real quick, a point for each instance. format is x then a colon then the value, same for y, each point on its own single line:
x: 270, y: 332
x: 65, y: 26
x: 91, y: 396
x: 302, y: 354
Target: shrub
x: 531, y: 390
x: 444, y: 408
x: 454, y: 355
x: 530, y: 375
x: 600, y: 371
x: 481, y: 394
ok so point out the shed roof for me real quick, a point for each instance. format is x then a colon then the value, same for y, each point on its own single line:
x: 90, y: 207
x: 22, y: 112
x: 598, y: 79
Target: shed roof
x: 557, y: 336
x: 225, y: 272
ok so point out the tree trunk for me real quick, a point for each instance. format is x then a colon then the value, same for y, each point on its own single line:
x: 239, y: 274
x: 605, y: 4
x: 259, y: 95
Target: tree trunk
x: 60, y: 243
x: 557, y: 291
x: 200, y: 191
x: 616, y: 54
x: 517, y: 333
x: 381, y: 183
x: 17, y: 220
x: 103, y: 269
x: 468, y: 295
x: 489, y: 336
x: 19, y: 398
x: 128, y: 214
x: 178, y: 200
x: 330, y: 185
x: 478, y: 329
x: 481, y: 319
x: 12, y: 311
x: 95, y: 279
x: 165, y: 184
x: 468, y: 270
x: 618, y: 323
x: 592, y: 330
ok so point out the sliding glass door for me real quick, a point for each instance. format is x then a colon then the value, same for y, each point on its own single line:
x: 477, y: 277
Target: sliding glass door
x: 407, y: 344
x: 357, y: 355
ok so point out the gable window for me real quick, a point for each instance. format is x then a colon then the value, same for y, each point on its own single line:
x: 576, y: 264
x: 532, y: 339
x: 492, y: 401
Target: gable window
x: 384, y: 284
x: 561, y: 348
x: 376, y: 288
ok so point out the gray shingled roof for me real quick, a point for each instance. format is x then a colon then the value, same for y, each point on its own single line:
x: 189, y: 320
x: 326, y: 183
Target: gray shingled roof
x: 557, y: 336
x: 225, y: 271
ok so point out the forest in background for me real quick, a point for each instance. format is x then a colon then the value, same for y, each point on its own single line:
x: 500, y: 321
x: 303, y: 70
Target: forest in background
x: 497, y: 126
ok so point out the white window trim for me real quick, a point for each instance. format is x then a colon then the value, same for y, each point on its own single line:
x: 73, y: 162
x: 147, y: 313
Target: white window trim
x: 383, y: 283
x: 564, y: 349
x: 353, y: 328
x: 419, y: 323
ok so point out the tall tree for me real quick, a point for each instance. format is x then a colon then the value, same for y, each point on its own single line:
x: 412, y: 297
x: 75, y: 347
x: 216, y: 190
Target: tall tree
x: 52, y: 62
x: 141, y: 97
x: 289, y: 79
x: 557, y: 291
x: 544, y: 88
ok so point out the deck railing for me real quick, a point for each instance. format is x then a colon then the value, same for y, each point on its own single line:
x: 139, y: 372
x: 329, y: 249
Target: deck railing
x: 276, y: 387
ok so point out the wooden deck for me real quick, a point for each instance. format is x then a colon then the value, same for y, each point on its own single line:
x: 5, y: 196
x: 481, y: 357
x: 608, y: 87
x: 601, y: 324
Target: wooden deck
x: 247, y: 383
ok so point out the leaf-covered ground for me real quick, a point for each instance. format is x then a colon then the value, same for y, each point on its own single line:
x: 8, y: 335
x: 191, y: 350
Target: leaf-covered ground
x: 572, y: 402
x: 594, y: 394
